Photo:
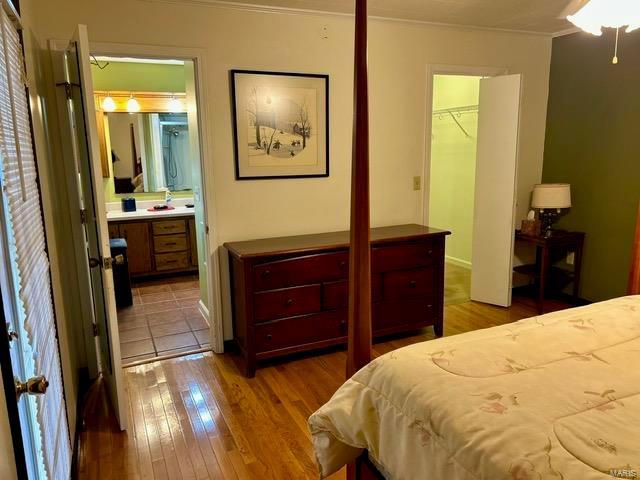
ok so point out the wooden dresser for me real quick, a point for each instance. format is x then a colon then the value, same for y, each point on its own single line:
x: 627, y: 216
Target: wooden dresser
x: 290, y: 293
x: 158, y: 246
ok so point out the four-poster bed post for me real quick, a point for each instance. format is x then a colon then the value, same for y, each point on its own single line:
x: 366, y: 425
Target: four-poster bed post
x: 359, y: 340
x: 634, y: 275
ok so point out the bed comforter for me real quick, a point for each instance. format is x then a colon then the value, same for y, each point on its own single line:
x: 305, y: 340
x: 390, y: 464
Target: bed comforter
x: 550, y: 397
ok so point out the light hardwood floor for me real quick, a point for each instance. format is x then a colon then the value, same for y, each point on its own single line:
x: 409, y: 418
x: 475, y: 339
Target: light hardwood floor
x: 197, y: 417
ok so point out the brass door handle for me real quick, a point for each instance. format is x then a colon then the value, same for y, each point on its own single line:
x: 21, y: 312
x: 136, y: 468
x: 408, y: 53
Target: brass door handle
x: 34, y: 386
x: 119, y: 259
x: 12, y: 334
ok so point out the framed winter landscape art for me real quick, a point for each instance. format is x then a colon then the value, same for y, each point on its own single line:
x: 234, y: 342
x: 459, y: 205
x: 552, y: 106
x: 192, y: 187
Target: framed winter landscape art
x: 281, y: 124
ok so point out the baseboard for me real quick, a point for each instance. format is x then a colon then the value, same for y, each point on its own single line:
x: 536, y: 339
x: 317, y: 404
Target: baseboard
x: 204, y: 311
x: 83, y: 387
x: 458, y: 262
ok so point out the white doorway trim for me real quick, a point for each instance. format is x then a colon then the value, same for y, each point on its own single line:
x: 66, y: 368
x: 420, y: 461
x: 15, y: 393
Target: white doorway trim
x: 198, y: 56
x: 443, y: 69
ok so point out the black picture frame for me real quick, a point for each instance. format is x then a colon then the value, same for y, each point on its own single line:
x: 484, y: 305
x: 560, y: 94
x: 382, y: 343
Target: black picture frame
x: 233, y: 77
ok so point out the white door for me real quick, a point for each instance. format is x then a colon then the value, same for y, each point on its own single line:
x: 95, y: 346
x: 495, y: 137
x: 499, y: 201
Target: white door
x: 86, y: 153
x: 495, y: 195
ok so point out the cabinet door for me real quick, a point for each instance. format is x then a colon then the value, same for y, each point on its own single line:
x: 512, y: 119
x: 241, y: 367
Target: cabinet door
x: 138, y: 246
x: 114, y: 230
x: 192, y: 242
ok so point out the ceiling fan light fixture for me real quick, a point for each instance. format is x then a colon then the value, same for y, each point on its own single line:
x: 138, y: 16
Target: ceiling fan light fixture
x: 599, y: 14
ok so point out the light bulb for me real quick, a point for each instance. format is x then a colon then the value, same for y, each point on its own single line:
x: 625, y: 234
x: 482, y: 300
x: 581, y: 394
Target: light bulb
x: 108, y: 104
x: 175, y: 105
x: 132, y: 105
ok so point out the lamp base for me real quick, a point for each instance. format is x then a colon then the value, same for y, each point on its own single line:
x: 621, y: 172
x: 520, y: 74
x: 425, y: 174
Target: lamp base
x: 548, y: 218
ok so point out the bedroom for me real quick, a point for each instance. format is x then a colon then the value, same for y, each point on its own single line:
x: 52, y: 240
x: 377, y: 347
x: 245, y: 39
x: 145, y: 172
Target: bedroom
x: 225, y: 37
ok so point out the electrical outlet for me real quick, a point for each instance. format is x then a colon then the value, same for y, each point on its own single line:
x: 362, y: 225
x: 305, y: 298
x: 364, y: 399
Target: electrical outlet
x: 417, y: 183
x: 571, y: 258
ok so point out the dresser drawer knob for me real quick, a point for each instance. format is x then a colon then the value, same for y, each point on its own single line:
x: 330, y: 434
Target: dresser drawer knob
x: 343, y: 324
x: 289, y: 302
x: 343, y: 265
x: 430, y: 252
x: 429, y: 307
x: 413, y: 284
x: 269, y: 337
x: 265, y: 273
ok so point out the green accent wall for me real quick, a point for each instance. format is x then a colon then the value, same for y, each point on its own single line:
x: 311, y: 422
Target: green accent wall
x: 453, y: 164
x: 593, y: 143
x: 141, y: 77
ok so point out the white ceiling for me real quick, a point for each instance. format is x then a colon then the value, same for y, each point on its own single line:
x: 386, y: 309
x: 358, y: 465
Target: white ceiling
x: 540, y: 16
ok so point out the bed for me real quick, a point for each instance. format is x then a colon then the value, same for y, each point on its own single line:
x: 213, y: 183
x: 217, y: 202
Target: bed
x: 551, y: 397
x: 555, y: 396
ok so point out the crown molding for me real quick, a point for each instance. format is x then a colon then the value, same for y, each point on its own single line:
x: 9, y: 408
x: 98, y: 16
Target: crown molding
x: 568, y: 31
x: 231, y: 5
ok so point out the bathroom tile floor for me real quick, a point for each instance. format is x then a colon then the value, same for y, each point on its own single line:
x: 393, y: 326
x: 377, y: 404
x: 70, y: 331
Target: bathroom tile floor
x: 164, y: 320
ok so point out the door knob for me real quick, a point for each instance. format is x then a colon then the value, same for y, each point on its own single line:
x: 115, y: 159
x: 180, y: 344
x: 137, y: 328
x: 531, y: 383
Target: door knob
x: 34, y: 386
x: 12, y: 334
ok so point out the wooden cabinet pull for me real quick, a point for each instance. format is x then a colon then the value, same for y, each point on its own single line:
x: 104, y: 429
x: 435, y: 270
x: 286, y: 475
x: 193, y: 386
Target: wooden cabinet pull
x: 289, y: 302
x: 269, y: 336
x: 266, y: 273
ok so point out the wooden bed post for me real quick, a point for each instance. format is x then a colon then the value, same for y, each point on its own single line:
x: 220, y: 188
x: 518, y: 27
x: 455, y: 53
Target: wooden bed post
x: 634, y: 275
x: 359, y: 344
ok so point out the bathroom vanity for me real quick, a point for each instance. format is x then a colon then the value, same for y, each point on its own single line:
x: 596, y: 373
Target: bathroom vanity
x: 158, y: 242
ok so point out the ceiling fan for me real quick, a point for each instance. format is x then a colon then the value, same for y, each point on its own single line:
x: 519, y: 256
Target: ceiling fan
x: 594, y: 15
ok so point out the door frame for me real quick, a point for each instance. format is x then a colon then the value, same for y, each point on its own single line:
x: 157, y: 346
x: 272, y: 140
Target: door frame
x: 205, y: 133
x: 444, y: 69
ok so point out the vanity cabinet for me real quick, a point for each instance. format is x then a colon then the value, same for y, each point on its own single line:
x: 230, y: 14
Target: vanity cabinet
x: 158, y: 246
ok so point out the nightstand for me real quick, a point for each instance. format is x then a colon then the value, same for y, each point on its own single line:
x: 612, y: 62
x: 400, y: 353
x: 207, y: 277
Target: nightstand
x: 560, y: 241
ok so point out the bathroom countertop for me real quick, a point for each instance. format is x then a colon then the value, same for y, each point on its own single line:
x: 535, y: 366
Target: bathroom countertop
x: 144, y: 214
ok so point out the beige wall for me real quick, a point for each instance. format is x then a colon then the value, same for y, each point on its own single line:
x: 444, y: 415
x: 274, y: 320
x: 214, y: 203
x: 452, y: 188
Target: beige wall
x: 399, y: 55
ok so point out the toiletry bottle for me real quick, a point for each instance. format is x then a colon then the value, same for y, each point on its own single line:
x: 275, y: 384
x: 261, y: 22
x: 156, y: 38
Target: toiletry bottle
x: 168, y: 198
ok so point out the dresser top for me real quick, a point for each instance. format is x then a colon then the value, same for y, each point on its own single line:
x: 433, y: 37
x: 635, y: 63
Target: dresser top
x: 327, y: 241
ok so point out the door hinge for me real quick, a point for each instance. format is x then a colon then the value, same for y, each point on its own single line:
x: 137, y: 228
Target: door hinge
x: 83, y: 216
x: 68, y: 88
x: 95, y: 330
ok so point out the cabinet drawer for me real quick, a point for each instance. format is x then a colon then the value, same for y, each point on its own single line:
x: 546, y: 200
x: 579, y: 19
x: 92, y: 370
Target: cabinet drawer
x: 172, y: 261
x: 299, y: 331
x: 336, y: 294
x: 404, y: 257
x: 408, y: 284
x: 399, y: 314
x: 170, y: 243
x: 286, y: 302
x: 164, y: 227
x: 301, y: 271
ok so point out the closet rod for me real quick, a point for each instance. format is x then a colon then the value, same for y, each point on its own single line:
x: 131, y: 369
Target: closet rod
x: 466, y: 109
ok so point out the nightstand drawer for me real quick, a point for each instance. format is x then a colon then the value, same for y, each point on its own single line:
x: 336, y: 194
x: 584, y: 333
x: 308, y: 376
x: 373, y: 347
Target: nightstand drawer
x: 286, y: 302
x: 170, y: 243
x: 165, y: 227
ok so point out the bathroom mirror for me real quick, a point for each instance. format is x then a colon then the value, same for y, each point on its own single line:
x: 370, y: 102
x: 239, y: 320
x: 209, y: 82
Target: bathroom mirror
x: 150, y: 152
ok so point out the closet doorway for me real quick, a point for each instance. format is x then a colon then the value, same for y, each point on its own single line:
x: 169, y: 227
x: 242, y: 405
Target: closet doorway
x: 471, y: 170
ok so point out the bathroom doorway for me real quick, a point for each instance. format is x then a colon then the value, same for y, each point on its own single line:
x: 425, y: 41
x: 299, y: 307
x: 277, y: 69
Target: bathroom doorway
x: 148, y: 128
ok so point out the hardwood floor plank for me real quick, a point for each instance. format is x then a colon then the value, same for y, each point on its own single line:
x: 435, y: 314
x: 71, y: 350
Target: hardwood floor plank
x: 198, y: 417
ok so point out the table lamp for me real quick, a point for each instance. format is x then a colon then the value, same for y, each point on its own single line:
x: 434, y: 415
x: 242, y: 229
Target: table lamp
x: 550, y: 199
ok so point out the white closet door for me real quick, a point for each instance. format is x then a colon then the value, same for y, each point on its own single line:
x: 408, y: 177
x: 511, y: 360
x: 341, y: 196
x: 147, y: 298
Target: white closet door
x: 495, y: 195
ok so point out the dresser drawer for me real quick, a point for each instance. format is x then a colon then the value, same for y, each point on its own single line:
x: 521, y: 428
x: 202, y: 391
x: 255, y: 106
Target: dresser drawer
x: 336, y: 294
x: 419, y: 283
x: 301, y: 271
x: 172, y: 261
x: 397, y: 315
x: 286, y: 302
x: 164, y: 227
x: 404, y: 257
x: 300, y: 331
x: 170, y: 243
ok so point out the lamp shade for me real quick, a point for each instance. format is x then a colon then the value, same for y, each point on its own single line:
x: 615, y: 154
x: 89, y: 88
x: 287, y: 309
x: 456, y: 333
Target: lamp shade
x: 551, y: 195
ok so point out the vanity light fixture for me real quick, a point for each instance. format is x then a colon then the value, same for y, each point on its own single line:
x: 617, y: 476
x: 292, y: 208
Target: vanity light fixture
x: 108, y: 104
x: 132, y: 105
x: 598, y: 14
x: 175, y: 105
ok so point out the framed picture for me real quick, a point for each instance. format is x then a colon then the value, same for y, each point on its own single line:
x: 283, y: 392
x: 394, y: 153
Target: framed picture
x: 281, y: 124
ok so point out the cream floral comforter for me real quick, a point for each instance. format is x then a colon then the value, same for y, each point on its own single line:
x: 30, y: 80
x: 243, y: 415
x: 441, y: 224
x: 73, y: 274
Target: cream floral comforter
x: 551, y: 397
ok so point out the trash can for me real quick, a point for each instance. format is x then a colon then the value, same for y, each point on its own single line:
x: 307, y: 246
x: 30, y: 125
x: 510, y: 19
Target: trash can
x: 121, y: 280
